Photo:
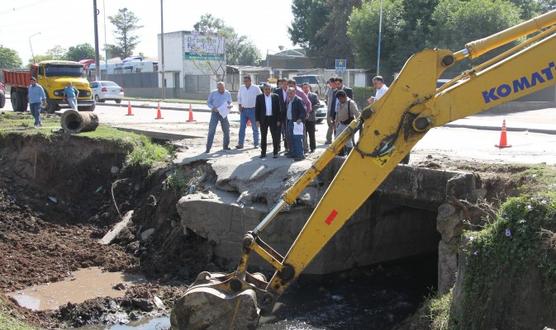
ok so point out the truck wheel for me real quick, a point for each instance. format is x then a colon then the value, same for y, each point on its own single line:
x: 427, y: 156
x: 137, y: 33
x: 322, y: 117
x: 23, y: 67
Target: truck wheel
x: 2, y: 100
x: 118, y: 101
x: 13, y: 101
x: 51, y: 106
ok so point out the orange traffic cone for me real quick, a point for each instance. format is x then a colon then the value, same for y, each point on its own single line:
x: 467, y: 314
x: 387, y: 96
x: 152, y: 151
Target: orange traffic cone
x: 129, y: 110
x: 503, y: 137
x: 158, y: 113
x: 190, y: 119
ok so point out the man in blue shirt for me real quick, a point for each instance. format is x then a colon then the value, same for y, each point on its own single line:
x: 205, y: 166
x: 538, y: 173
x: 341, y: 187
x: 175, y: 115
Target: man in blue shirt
x: 218, y: 100
x: 70, y: 94
x: 37, y: 97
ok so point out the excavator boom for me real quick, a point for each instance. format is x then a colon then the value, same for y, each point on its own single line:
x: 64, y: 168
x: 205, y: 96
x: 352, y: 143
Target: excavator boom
x: 388, y: 129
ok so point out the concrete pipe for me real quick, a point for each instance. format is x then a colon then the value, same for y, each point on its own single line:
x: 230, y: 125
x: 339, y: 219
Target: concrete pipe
x: 74, y: 122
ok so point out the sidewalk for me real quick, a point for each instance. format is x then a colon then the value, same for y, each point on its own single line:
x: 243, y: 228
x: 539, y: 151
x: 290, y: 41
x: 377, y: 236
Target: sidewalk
x: 535, y: 121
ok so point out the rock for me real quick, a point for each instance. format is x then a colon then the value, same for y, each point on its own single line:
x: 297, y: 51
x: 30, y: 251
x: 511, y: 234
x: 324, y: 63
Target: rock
x: 142, y: 304
x: 146, y: 234
x: 114, y: 170
x: 158, y: 303
x: 113, y: 233
x: 119, y: 287
x: 449, y: 222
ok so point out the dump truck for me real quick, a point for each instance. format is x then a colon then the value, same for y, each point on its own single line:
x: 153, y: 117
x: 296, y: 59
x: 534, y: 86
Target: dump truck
x: 388, y: 130
x: 53, y: 76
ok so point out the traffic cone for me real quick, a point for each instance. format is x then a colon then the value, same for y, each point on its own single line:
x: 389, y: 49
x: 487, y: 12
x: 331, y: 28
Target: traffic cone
x: 129, y: 110
x: 503, y: 137
x: 190, y: 119
x: 158, y: 113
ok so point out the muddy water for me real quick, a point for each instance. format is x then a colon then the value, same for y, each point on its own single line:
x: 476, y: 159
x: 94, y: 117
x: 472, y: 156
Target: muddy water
x: 84, y: 284
x: 378, y: 297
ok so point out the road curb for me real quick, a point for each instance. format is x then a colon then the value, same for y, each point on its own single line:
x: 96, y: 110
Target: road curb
x: 509, y: 129
x: 159, y: 135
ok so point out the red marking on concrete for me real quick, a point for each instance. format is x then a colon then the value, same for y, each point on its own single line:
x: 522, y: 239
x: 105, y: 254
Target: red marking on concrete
x: 331, y: 217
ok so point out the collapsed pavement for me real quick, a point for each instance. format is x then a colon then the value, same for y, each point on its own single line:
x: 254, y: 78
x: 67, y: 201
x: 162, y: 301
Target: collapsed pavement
x: 400, y: 220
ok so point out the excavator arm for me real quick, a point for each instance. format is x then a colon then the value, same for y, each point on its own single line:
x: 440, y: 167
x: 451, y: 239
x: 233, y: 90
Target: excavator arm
x: 388, y: 130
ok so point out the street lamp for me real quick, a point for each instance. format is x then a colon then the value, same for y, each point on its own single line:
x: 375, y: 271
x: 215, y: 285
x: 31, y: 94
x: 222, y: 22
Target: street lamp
x: 379, y: 40
x: 97, y: 55
x: 31, y: 45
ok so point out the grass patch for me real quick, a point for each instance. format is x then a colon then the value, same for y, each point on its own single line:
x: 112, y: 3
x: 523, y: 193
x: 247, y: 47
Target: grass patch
x: 509, y: 258
x: 17, y: 122
x: 8, y: 322
x: 143, y: 151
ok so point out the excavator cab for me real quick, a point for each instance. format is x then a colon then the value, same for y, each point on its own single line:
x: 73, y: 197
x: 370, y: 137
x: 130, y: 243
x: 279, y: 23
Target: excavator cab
x: 388, y: 129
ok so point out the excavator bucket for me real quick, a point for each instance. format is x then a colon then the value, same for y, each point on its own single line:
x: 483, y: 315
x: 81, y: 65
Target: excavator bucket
x: 217, y: 301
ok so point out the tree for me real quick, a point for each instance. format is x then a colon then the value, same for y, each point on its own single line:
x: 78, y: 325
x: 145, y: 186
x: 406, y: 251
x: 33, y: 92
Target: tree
x: 320, y: 26
x: 9, y: 59
x: 457, y: 22
x: 531, y: 8
x: 80, y: 52
x: 55, y: 53
x: 239, y: 49
x: 126, y: 23
x: 363, y: 31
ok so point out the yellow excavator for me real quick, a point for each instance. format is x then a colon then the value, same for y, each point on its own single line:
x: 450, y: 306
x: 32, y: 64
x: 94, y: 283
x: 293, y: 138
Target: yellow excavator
x: 388, y: 129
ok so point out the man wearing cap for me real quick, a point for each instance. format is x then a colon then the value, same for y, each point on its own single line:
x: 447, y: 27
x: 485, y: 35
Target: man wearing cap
x: 267, y: 114
x: 37, y: 97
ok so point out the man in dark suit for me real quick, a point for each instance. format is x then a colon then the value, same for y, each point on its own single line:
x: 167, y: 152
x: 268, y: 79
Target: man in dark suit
x: 341, y: 87
x: 295, y: 113
x: 267, y: 114
x: 282, y: 92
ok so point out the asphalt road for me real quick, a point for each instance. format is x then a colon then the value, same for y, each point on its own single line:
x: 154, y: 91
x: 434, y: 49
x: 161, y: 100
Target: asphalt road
x: 454, y: 143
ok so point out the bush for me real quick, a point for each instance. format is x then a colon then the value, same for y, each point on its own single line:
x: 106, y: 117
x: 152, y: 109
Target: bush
x: 361, y: 94
x: 510, y: 270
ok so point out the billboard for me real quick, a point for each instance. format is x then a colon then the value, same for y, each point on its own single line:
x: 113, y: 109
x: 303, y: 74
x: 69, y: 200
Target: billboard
x: 204, y: 47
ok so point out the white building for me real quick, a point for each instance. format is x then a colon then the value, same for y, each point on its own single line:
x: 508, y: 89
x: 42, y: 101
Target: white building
x: 193, y: 61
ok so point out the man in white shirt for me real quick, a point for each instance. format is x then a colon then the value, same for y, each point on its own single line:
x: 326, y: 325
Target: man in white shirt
x: 380, y: 88
x: 246, y: 99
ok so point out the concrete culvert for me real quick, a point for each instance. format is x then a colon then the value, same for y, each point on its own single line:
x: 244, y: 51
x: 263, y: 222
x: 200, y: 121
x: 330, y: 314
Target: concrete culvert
x: 74, y: 122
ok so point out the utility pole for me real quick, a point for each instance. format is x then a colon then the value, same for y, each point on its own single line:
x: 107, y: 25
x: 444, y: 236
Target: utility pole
x: 97, y: 55
x: 379, y: 41
x: 105, y: 44
x: 162, y: 49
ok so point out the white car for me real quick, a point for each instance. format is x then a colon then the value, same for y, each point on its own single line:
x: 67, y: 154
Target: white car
x: 107, y: 90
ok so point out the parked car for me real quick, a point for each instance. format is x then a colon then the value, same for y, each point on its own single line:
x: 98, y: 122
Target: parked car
x: 312, y: 80
x: 320, y: 112
x: 2, y: 95
x: 104, y: 90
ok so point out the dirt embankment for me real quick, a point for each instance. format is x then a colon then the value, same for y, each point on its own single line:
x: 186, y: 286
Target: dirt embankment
x: 57, y: 198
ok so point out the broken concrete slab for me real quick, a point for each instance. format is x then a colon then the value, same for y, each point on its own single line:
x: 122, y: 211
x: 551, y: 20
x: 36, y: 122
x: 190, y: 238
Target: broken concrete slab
x: 398, y: 221
x: 113, y: 233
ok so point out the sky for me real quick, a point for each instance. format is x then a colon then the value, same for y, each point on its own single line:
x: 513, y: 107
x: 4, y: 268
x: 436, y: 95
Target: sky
x: 67, y: 23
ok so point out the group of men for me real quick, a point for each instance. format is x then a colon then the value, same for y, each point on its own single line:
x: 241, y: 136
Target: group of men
x: 288, y: 112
